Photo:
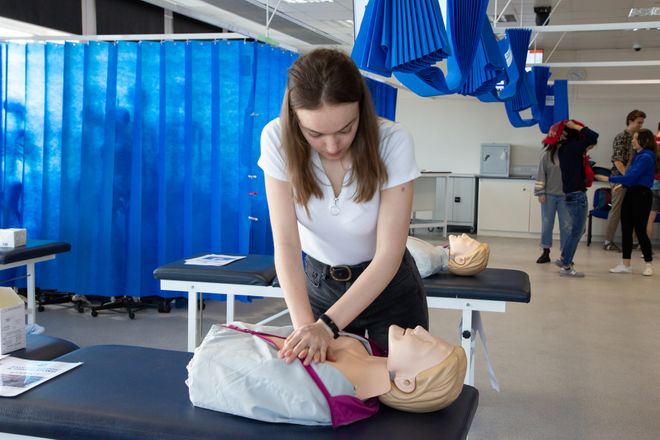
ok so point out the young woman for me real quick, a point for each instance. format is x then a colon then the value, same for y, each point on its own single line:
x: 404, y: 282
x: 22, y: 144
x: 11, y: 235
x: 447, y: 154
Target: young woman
x: 548, y: 189
x: 339, y: 184
x: 655, y: 207
x: 638, y: 200
x: 574, y: 141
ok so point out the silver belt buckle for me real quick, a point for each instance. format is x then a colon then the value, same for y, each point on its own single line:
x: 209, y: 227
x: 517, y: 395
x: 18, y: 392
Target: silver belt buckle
x: 334, y: 276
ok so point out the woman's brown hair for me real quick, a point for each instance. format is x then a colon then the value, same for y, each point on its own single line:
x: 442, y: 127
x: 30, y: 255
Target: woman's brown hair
x: 326, y: 76
x: 646, y: 139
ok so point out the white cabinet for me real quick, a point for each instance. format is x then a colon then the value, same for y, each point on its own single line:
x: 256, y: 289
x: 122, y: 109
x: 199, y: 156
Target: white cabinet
x: 429, y: 200
x: 504, y: 205
x: 508, y: 207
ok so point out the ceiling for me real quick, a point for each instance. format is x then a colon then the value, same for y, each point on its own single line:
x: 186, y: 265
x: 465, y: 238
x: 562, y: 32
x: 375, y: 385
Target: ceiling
x: 324, y: 22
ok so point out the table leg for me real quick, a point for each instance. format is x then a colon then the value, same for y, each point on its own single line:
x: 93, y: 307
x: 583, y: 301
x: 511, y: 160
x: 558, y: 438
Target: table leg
x: 467, y: 337
x: 193, y: 338
x: 30, y: 293
x: 230, y: 308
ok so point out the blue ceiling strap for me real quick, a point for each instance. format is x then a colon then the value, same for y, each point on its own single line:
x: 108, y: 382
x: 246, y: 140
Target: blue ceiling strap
x: 539, y: 77
x: 514, y: 51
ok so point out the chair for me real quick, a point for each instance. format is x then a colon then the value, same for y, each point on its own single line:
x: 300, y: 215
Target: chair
x: 601, y: 208
x: 602, y: 205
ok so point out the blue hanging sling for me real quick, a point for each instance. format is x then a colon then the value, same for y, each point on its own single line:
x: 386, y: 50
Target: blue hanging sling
x: 403, y: 36
x: 464, y: 24
x: 489, y: 66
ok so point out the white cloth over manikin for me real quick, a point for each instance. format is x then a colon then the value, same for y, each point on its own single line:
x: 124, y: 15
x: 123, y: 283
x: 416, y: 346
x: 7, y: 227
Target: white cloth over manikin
x: 240, y: 374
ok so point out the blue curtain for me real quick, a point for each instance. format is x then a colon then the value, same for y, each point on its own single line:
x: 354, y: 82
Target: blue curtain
x: 137, y: 154
x: 384, y: 98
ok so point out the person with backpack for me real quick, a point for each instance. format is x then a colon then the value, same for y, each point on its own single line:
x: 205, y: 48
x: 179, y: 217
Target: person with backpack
x: 573, y: 140
x: 638, y: 179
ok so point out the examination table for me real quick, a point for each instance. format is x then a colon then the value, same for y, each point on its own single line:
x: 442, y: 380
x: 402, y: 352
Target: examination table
x: 125, y: 392
x: 254, y: 276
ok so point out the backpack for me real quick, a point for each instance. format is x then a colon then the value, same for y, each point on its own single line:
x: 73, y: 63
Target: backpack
x: 588, y: 171
x: 603, y: 199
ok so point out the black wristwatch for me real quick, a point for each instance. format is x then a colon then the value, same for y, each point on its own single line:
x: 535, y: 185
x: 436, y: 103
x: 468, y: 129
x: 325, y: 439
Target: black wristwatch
x: 330, y: 323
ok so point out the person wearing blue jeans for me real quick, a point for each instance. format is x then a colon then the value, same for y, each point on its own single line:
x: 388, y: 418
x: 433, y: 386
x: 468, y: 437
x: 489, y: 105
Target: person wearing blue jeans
x: 573, y: 140
x: 548, y: 189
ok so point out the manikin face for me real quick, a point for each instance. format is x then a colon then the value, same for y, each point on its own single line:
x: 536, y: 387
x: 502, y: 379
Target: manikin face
x: 460, y: 246
x: 636, y: 125
x: 411, y: 352
x: 330, y: 129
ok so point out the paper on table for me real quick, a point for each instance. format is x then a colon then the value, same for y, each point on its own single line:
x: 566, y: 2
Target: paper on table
x: 213, y: 260
x: 19, y: 375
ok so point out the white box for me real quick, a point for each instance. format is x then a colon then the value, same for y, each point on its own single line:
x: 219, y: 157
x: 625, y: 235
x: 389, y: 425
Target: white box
x: 12, y: 321
x: 14, y: 237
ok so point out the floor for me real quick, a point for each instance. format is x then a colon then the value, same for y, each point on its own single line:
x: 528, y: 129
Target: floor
x: 578, y: 362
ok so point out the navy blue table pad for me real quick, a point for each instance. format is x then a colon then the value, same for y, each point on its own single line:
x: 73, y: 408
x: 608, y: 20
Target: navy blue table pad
x: 123, y: 392
x: 33, y: 249
x: 259, y: 270
x: 44, y: 348
x: 253, y: 270
x: 491, y: 284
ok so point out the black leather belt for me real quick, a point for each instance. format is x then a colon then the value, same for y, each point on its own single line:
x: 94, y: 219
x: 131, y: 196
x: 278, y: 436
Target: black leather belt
x: 341, y: 272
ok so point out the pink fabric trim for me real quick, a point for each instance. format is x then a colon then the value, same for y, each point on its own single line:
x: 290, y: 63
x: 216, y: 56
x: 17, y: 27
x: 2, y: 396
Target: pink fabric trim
x: 344, y: 410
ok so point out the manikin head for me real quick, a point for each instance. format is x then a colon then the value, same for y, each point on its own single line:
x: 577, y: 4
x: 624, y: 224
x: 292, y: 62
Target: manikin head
x: 428, y: 371
x: 466, y: 255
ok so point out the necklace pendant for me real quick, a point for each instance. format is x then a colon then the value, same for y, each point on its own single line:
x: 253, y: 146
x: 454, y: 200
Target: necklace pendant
x: 334, y: 208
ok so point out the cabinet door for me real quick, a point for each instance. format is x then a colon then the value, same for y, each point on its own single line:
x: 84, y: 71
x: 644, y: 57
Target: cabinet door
x: 504, y: 205
x: 535, y: 216
x: 462, y: 200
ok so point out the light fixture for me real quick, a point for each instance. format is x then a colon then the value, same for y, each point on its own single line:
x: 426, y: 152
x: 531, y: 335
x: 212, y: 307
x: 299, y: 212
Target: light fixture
x: 309, y: 1
x: 643, y: 12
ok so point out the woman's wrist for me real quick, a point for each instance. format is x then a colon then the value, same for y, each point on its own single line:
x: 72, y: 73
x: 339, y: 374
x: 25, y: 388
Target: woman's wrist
x: 330, y: 325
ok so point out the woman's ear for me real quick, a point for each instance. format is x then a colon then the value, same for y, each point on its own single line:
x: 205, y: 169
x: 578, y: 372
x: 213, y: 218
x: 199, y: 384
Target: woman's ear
x: 404, y: 382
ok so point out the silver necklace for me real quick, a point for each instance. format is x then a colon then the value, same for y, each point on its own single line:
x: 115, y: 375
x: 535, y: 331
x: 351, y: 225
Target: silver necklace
x: 334, y: 207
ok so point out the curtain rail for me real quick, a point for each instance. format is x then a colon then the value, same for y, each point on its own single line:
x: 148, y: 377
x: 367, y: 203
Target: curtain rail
x: 152, y: 37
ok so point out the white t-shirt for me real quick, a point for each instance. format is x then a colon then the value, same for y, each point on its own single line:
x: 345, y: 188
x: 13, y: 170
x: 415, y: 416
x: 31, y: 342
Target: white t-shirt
x: 350, y: 236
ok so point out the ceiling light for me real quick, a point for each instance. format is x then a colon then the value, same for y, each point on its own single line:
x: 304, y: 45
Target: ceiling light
x: 643, y: 12
x: 309, y: 1
x: 11, y: 33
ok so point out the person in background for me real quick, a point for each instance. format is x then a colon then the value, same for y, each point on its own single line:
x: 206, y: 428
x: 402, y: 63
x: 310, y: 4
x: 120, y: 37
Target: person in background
x: 548, y: 189
x: 637, y: 202
x: 622, y: 152
x: 655, y: 189
x: 574, y: 140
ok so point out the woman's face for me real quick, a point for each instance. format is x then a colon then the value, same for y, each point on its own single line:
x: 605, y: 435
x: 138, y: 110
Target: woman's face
x: 330, y: 129
x: 635, y: 142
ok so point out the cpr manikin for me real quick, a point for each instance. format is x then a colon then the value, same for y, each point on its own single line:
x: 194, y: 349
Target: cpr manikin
x: 465, y: 256
x: 236, y: 370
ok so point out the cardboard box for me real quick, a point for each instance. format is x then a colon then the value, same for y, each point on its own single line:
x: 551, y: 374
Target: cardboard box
x: 12, y: 321
x: 14, y: 237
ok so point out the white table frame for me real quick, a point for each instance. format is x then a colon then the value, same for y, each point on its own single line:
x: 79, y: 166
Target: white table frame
x: 194, y: 289
x: 30, y: 274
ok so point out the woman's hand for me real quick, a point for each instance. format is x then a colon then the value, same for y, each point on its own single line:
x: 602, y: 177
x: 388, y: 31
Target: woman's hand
x: 311, y: 342
x: 542, y: 199
x: 573, y: 126
x: 601, y: 178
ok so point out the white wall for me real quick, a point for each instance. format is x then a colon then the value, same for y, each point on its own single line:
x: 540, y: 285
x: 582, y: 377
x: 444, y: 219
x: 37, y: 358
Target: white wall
x: 449, y: 130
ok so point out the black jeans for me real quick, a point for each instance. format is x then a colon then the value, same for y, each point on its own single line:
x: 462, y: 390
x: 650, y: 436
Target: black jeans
x: 403, y: 302
x: 634, y: 215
